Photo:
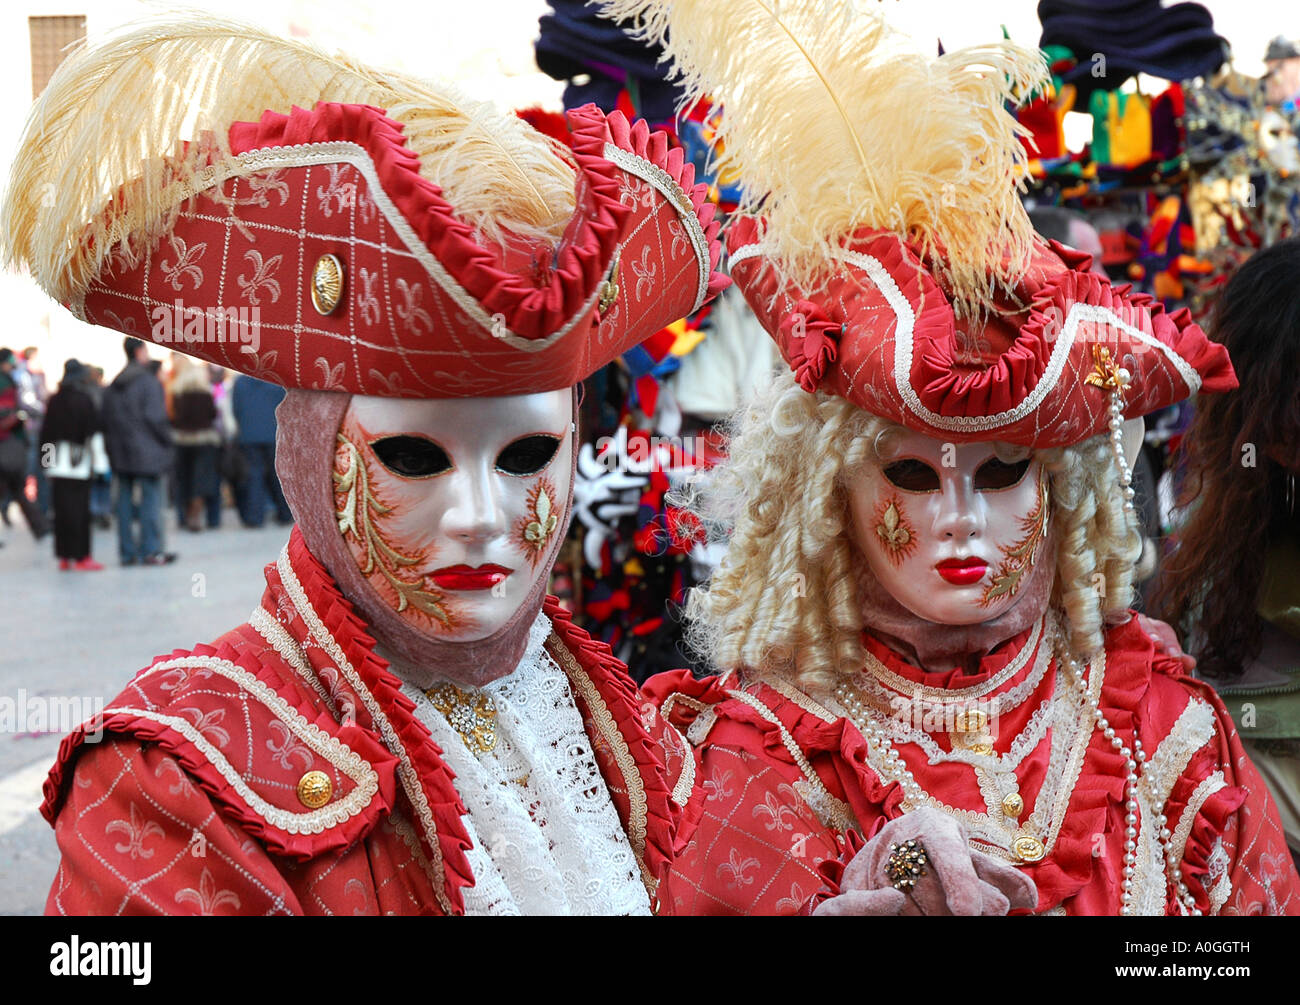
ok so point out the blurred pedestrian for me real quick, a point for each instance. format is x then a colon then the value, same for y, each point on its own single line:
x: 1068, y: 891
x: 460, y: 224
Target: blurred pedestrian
x: 101, y: 494
x: 253, y: 404
x: 33, y: 393
x: 198, y: 444
x: 71, y: 422
x: 227, y: 468
x: 14, y: 446
x: 139, y: 440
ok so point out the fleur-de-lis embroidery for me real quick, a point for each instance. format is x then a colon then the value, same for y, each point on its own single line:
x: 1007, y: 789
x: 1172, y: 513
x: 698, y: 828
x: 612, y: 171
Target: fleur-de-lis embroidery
x: 409, y: 309
x: 368, y: 302
x: 776, y: 812
x: 392, y: 383
x: 608, y: 323
x: 355, y: 886
x: 331, y: 376
x: 736, y: 870
x: 286, y: 746
x: 207, y: 898
x: 645, y: 272
x: 186, y: 257
x: 632, y: 190
x: 338, y: 194
x: 366, y: 204
x: 680, y: 240
x: 122, y: 324
x: 263, y: 366
x: 183, y: 784
x: 718, y: 784
x: 174, y: 678
x: 135, y: 833
x: 208, y: 724
x: 792, y: 903
x: 539, y: 530
x: 264, y: 184
x: 261, y: 277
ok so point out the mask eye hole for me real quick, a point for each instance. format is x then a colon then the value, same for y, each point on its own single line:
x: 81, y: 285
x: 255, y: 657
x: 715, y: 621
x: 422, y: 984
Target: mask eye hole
x: 998, y: 474
x: 912, y: 475
x: 528, y: 455
x: 411, y: 456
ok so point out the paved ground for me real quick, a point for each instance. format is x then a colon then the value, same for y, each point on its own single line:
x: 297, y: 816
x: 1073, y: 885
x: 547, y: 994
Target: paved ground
x: 67, y: 634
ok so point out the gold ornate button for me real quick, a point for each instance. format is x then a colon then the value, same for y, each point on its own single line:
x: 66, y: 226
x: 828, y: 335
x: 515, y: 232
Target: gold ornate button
x: 1027, y: 848
x: 326, y: 284
x: 315, y: 789
x: 972, y: 720
x: 1013, y: 805
x: 609, y: 288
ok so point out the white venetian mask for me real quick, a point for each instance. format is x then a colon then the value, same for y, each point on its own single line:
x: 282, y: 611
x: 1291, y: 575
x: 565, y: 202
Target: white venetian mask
x: 453, y: 508
x: 950, y: 530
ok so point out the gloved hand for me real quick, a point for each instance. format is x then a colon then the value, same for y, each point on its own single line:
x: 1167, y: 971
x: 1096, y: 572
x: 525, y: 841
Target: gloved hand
x: 956, y: 878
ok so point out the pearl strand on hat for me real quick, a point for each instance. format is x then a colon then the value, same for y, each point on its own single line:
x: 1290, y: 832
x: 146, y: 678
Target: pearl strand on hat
x: 1117, y: 439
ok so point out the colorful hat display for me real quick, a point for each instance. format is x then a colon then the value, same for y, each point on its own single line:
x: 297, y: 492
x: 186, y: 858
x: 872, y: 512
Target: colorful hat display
x: 309, y: 246
x: 885, y: 249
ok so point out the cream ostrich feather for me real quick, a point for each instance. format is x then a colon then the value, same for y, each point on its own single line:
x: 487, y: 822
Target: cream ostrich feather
x: 104, y: 153
x: 834, y: 121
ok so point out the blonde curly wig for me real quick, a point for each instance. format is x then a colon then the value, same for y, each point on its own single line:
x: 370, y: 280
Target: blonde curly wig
x: 784, y: 600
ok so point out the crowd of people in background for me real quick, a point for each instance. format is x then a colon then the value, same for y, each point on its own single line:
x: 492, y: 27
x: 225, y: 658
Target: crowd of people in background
x: 92, y: 454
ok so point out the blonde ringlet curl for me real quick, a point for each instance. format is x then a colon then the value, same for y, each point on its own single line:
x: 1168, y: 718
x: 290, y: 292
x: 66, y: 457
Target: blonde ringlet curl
x: 784, y: 600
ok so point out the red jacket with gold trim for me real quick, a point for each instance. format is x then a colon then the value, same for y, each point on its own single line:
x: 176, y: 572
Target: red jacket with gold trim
x: 780, y: 791
x: 189, y: 802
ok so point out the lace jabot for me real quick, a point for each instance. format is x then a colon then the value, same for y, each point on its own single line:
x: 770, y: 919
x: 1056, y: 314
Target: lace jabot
x: 546, y: 836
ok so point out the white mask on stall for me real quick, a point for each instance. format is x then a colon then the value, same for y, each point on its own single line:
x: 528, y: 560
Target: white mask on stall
x: 453, y: 508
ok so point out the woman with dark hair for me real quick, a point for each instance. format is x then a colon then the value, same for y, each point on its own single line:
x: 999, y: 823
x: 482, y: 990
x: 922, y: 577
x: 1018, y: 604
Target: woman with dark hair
x: 1234, y: 582
x: 71, y: 421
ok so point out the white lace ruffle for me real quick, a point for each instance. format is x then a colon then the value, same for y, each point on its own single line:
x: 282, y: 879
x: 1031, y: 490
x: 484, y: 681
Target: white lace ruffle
x: 546, y: 837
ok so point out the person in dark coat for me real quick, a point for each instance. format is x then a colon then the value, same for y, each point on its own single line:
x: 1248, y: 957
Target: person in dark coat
x: 138, y: 436
x: 13, y: 447
x: 70, y: 422
x: 253, y: 403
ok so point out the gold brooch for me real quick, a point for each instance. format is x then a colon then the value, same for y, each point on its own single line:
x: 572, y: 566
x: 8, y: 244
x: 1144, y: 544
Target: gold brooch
x: 473, y: 716
x: 1106, y: 373
x: 609, y: 288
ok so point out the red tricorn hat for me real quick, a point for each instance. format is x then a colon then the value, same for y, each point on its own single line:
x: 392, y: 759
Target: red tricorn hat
x: 1042, y: 372
x: 312, y: 247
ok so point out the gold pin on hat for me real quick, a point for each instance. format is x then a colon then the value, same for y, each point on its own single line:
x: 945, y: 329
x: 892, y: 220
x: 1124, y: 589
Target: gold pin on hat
x: 326, y: 284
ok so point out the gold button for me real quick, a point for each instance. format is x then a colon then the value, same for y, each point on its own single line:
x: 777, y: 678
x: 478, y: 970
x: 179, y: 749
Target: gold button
x: 326, y: 284
x: 972, y: 720
x: 1013, y: 805
x: 315, y: 789
x: 986, y: 749
x: 1027, y: 848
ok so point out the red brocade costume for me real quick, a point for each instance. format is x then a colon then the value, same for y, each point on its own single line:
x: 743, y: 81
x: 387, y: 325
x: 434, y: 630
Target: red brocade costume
x: 204, y: 795
x: 781, y: 782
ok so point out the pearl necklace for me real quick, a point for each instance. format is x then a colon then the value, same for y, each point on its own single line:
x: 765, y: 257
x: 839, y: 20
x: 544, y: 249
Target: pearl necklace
x: 1135, y: 756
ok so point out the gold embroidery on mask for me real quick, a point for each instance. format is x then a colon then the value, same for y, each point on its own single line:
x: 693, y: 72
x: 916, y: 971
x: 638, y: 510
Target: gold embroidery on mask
x: 895, y: 534
x: 540, y: 522
x: 1020, y: 556
x: 358, y: 519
